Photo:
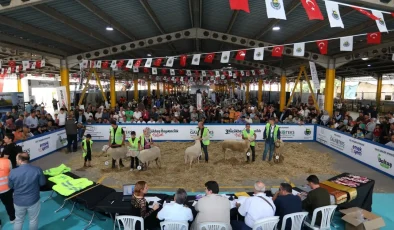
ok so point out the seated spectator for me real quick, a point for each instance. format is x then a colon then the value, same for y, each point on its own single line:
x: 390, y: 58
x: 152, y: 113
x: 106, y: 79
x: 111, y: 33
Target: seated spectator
x: 359, y: 134
x: 176, y: 211
x: 248, y: 119
x: 39, y: 130
x: 286, y: 203
x: 42, y: 120
x: 391, y: 143
x: 341, y: 126
x: 151, y: 121
x: 160, y: 121
x: 19, y: 121
x: 316, y: 198
x: 212, y: 207
x: 325, y: 118
x: 194, y: 121
x: 337, y: 116
x: 254, y: 208
x: 18, y: 134
x: 26, y: 132
x: 49, y: 127
x: 376, y: 133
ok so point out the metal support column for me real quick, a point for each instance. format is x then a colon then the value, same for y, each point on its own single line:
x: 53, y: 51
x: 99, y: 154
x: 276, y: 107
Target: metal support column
x: 282, y: 103
x: 260, y: 92
x: 343, y: 88
x: 329, y: 91
x: 112, y: 91
x: 19, y: 84
x: 157, y: 89
x: 379, y: 91
x: 247, y: 91
x: 64, y: 79
x: 149, y: 93
x: 136, y: 89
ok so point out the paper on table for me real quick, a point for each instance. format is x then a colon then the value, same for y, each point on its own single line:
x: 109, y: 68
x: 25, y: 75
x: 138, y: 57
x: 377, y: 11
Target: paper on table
x: 295, y: 193
x: 152, y: 198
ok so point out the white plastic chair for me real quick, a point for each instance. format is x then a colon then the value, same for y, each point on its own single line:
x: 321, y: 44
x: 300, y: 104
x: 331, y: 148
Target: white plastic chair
x: 213, y: 226
x: 173, y: 225
x: 129, y: 222
x: 268, y: 223
x: 327, y: 213
x: 297, y: 219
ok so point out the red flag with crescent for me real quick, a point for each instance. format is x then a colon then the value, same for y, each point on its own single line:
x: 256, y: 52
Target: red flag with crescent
x: 157, y: 62
x: 277, y: 51
x: 138, y: 63
x: 164, y: 71
x: 312, y: 9
x: 370, y: 15
x: 11, y: 64
x: 209, y: 58
x: 181, y: 72
x: 120, y: 63
x: 105, y: 65
x: 182, y: 60
x: 374, y: 38
x: 240, y: 55
x: 323, y: 46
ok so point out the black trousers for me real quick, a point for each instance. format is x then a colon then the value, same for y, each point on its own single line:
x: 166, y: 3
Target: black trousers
x: 205, y: 149
x: 253, y: 154
x: 8, y: 201
x: 137, y: 162
x: 72, y: 139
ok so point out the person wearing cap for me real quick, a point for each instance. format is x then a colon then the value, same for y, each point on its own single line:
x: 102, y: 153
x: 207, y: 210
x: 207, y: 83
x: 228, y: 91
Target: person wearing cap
x: 246, y: 134
x: 117, y: 137
x: 271, y: 134
x: 203, y: 134
x: 87, y: 150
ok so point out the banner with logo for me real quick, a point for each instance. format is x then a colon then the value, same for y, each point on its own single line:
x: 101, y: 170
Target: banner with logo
x: 376, y: 156
x: 45, y: 144
x: 62, y: 96
x: 217, y: 132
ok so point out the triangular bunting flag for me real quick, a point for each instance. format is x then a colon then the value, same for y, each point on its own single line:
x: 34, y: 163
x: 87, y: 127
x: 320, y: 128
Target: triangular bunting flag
x: 148, y: 63
x: 275, y: 9
x: 136, y: 69
x: 115, y: 68
x: 9, y: 68
x: 120, y: 63
x: 203, y: 73
x: 164, y: 71
x: 253, y: 72
x: 172, y: 72
x: 92, y: 64
x: 25, y: 65
x: 312, y: 9
x: 11, y: 63
x: 170, y: 62
x: 242, y: 73
x: 43, y: 63
x: 240, y: 5
x: 217, y: 73
x: 258, y: 54
x: 154, y: 71
x: 333, y: 14
x: 371, y: 16
x: 277, y: 51
x: 209, y: 58
x: 188, y: 72
x: 113, y: 64
x: 230, y: 73
x: 247, y: 73
x: 105, y: 64
x: 225, y: 57
x: 129, y: 64
x: 98, y: 64
x: 196, y: 59
x: 196, y: 72
x: 346, y: 43
x: 323, y: 46
x: 33, y: 64
x: 380, y: 22
x: 240, y: 55
x: 299, y: 49
x: 374, y: 38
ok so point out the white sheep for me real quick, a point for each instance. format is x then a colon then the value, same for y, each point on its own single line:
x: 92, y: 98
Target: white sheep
x: 147, y: 155
x: 193, y: 153
x: 115, y: 153
x: 236, y: 145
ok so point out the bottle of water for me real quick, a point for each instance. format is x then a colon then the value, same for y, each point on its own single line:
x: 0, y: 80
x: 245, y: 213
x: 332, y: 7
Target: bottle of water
x: 360, y: 216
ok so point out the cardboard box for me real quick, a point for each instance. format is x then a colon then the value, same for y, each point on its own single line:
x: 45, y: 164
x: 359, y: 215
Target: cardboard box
x: 372, y: 221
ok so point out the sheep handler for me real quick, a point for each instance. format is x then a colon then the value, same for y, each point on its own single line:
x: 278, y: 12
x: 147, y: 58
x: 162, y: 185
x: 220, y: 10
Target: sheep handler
x: 117, y: 137
x: 246, y: 134
x: 203, y: 135
x: 271, y: 134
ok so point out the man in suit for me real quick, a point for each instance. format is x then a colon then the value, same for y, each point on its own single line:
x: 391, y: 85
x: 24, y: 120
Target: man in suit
x: 212, y: 207
x: 271, y: 134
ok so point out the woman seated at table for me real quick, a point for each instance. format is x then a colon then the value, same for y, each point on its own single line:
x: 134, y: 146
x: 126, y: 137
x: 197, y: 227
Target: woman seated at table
x: 140, y: 207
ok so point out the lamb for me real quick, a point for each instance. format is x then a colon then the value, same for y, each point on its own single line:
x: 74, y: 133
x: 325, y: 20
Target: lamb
x: 236, y: 146
x: 147, y: 155
x: 115, y: 153
x: 193, y: 153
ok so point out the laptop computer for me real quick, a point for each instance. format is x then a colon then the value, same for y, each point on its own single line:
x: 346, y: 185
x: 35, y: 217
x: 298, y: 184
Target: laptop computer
x: 128, y: 190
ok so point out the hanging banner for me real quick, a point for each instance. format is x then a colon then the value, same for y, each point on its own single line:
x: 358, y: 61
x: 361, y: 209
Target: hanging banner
x: 315, y: 78
x: 199, y: 101
x: 62, y: 96
x: 320, y: 101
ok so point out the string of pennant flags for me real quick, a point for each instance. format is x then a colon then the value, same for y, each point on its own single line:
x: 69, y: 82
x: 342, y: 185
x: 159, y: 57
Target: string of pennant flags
x: 275, y: 9
x: 13, y: 67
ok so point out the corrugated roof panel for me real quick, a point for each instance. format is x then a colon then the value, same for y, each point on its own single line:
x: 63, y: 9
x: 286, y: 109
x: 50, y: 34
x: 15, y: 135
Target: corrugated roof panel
x: 184, y: 46
x: 172, y: 14
x: 79, y: 13
x: 36, y: 39
x: 40, y: 20
x: 216, y: 15
x: 131, y: 15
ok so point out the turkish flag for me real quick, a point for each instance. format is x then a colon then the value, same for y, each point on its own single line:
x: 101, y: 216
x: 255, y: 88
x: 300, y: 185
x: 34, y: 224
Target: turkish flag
x: 277, y: 51
x: 323, y: 46
x: 138, y: 63
x: 312, y: 9
x: 182, y: 60
x: 240, y: 5
x: 374, y: 38
x: 146, y: 70
x: 38, y: 64
x: 371, y: 16
x: 157, y: 62
x: 105, y: 65
x: 120, y: 63
x: 209, y: 58
x: 240, y: 55
x: 164, y: 71
x: 181, y: 72
x: 11, y: 64
x: 196, y: 72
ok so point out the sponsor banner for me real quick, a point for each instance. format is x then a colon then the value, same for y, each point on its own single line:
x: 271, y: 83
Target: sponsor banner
x: 45, y: 144
x: 216, y: 132
x: 61, y: 96
x: 376, y: 156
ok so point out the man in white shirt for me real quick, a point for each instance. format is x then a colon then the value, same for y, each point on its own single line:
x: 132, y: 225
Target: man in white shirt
x: 255, y: 208
x: 391, y: 143
x: 176, y: 211
x: 88, y: 114
x: 151, y: 121
x: 121, y: 115
x: 137, y: 114
x: 99, y: 113
x: 62, y: 118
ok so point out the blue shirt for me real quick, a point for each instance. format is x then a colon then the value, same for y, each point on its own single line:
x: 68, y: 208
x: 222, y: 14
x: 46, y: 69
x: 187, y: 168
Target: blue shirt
x: 286, y: 205
x: 26, y: 181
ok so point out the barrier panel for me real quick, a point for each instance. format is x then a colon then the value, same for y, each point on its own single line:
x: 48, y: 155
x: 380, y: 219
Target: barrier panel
x: 370, y: 153
x: 41, y: 145
x: 171, y: 132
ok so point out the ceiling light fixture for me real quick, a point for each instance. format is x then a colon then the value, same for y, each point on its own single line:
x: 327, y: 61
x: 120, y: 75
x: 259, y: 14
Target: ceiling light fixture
x: 149, y: 55
x: 369, y: 65
x: 364, y: 58
x: 109, y: 28
x: 276, y: 28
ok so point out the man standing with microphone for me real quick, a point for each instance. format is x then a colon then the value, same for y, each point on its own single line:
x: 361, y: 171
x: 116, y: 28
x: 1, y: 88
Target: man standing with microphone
x: 271, y: 135
x: 246, y: 134
x: 203, y: 134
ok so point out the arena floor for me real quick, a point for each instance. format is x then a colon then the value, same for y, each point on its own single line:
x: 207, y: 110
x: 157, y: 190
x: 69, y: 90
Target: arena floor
x: 232, y: 174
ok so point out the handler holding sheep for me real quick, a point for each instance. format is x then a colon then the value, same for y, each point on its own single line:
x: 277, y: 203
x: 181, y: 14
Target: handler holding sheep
x: 271, y: 135
x: 203, y: 134
x: 146, y: 140
x: 116, y: 139
x: 247, y: 133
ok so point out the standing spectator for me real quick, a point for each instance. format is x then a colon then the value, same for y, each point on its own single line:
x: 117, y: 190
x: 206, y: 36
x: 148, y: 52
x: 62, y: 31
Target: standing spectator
x: 6, y: 194
x: 62, y: 117
x: 26, y: 181
x: 28, y: 107
x: 71, y: 132
x: 32, y: 121
x: 54, y: 104
x: 80, y: 117
x: 255, y: 208
x: 176, y: 211
x: 10, y: 149
x: 212, y: 207
x: 286, y: 203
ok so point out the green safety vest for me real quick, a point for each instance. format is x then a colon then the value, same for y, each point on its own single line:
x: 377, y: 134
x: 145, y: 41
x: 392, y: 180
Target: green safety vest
x: 142, y: 139
x: 205, y: 133
x: 85, y: 147
x: 118, y: 136
x: 72, y: 186
x: 60, y: 178
x: 134, y: 144
x: 267, y: 131
x: 57, y: 170
x: 247, y: 135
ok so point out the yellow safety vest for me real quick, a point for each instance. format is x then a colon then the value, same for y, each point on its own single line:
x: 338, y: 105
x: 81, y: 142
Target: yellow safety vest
x: 57, y: 170
x: 247, y: 135
x: 205, y: 133
x: 85, y: 147
x: 60, y: 178
x: 134, y: 144
x: 118, y: 136
x: 72, y: 186
x: 142, y: 139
